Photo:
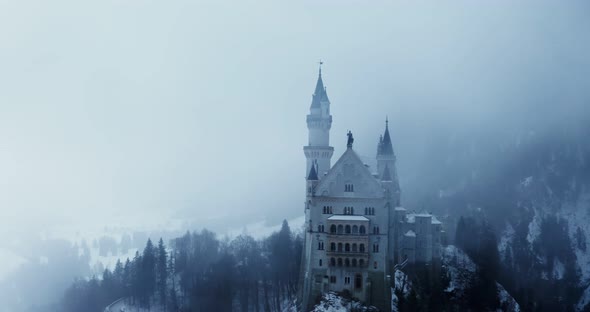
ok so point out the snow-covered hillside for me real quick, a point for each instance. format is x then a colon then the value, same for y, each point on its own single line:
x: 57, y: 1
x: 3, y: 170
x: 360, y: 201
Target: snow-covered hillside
x: 461, y: 268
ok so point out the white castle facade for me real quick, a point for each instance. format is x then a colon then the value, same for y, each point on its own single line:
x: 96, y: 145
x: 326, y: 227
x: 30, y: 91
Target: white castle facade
x: 356, y: 230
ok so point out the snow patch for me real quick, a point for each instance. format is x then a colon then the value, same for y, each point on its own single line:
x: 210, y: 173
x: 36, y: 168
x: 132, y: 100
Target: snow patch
x: 331, y: 302
x: 534, y: 228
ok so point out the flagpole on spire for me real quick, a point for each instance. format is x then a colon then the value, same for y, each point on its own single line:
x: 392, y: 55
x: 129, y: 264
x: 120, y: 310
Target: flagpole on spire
x: 320, y: 62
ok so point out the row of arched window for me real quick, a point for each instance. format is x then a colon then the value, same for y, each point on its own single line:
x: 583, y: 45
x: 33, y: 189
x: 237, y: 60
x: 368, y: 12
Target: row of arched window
x: 347, y: 229
x: 369, y: 211
x: 347, y: 262
x: 348, y: 188
x: 347, y: 247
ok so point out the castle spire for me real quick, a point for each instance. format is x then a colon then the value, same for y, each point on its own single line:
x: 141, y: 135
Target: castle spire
x: 320, y: 94
x: 385, y: 146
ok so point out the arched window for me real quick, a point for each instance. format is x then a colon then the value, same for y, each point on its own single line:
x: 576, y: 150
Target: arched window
x: 361, y: 263
x: 354, y: 247
x: 339, y: 261
x: 320, y: 245
x: 362, y: 230
x: 320, y: 228
x: 375, y: 247
x: 347, y: 262
x: 340, y: 247
x: 355, y: 229
x: 353, y: 262
x: 333, y: 261
x: 366, y: 211
x: 347, y: 229
x: 320, y: 262
x: 332, y: 246
x: 362, y: 248
x: 340, y: 229
x: 347, y: 247
x: 333, y: 229
x: 375, y: 230
x: 348, y: 188
x: 375, y: 265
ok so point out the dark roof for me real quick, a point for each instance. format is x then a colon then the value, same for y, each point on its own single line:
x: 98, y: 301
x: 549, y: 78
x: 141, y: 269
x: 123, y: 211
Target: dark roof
x: 320, y: 94
x: 313, y: 175
x: 385, y: 146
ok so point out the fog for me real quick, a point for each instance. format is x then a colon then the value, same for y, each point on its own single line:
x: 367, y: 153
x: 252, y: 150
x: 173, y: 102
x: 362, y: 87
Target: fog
x: 149, y: 110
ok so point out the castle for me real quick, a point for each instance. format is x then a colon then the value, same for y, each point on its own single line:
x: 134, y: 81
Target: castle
x: 356, y: 230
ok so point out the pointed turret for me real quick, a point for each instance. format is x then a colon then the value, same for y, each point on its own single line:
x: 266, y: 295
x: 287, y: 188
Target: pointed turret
x: 313, y: 174
x: 385, y: 147
x: 386, y: 170
x: 320, y: 95
x: 319, y: 121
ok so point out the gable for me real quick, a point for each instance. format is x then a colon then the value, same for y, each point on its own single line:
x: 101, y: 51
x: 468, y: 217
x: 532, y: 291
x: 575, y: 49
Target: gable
x: 349, y: 170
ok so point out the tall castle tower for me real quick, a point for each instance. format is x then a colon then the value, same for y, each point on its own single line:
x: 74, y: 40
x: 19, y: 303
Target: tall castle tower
x: 319, y: 121
x: 386, y: 169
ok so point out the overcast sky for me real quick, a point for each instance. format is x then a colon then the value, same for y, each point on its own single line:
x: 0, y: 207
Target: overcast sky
x: 137, y: 107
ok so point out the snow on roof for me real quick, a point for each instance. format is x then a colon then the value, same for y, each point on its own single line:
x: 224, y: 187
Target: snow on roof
x: 347, y: 218
x: 400, y: 209
x: 410, y: 233
x: 423, y: 215
x: 435, y: 220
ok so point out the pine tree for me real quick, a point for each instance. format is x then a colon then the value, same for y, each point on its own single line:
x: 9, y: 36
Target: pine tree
x: 147, y: 274
x: 162, y: 273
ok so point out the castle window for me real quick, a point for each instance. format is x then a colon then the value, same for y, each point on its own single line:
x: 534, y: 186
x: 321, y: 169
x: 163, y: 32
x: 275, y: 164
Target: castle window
x: 333, y: 279
x: 340, y: 262
x: 347, y: 229
x: 361, y: 263
x: 376, y: 248
x: 321, y: 262
x: 332, y: 261
x: 340, y: 229
x: 375, y: 230
x: 320, y: 245
x: 348, y: 188
x: 321, y: 228
x: 375, y: 265
x: 347, y: 262
x: 347, y: 247
x: 340, y: 247
x: 333, y: 229
x: 362, y: 248
x: 370, y: 211
x: 362, y: 230
x: 327, y: 210
x: 354, y: 247
x: 347, y: 280
x: 354, y: 262
x: 355, y: 229
x: 332, y: 246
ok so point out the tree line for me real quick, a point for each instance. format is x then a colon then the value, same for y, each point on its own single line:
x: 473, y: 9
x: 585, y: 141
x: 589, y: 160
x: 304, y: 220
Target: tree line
x: 198, y: 272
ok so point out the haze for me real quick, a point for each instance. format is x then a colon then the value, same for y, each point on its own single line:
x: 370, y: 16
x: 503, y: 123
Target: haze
x: 161, y: 109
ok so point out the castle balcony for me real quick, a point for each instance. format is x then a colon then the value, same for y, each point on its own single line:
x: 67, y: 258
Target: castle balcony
x: 350, y: 225
x: 364, y: 255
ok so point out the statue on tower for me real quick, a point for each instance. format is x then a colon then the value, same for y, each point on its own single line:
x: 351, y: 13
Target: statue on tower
x: 350, y: 139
